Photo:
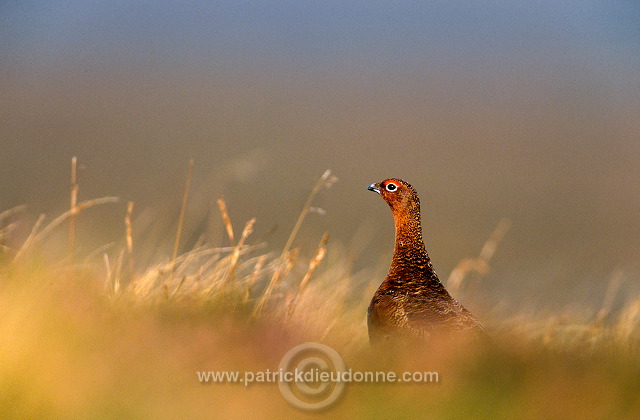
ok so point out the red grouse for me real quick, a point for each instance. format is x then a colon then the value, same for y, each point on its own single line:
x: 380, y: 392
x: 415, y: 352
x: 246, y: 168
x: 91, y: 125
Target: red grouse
x: 411, y: 305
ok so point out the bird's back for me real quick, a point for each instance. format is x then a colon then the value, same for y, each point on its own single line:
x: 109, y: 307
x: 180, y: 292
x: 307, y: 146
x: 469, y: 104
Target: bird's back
x: 417, y: 309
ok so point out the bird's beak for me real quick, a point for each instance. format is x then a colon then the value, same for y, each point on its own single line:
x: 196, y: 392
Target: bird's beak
x: 374, y: 188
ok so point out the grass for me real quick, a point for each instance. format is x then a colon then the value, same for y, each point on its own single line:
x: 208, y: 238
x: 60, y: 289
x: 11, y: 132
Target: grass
x: 102, y: 337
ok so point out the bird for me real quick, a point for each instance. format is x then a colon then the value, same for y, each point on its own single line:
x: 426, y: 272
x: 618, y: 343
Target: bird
x: 412, y: 306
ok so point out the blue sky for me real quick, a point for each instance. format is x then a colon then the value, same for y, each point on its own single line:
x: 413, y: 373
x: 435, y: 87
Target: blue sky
x: 372, y: 31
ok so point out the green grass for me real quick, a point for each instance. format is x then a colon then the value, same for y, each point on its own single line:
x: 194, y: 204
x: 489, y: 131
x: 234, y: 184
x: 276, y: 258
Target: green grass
x: 105, y: 336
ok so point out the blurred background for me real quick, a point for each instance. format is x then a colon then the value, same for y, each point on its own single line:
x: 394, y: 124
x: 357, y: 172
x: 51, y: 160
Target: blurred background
x: 520, y: 110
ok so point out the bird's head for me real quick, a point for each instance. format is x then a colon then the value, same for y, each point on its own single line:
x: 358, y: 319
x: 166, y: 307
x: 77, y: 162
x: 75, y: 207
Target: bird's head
x: 400, y: 195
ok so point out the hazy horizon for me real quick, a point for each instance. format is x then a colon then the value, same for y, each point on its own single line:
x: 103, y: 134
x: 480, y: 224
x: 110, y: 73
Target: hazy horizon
x: 520, y: 111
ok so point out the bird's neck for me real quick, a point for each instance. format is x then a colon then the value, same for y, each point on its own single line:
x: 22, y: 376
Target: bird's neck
x: 409, y: 247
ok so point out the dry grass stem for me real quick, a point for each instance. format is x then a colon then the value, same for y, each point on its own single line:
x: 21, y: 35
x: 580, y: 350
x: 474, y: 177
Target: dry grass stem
x: 35, y: 237
x: 248, y: 229
x: 31, y: 238
x: 225, y: 218
x: 494, y: 240
x: 629, y: 322
x: 129, y: 238
x: 313, y: 264
x: 112, y: 278
x: 612, y: 290
x: 107, y: 264
x: 6, y: 230
x: 118, y: 273
x: 12, y: 211
x: 325, y: 180
x: 282, y: 269
x: 98, y: 251
x: 183, y: 210
x: 73, y: 210
x: 321, y: 252
x: 479, y: 265
x: 254, y: 276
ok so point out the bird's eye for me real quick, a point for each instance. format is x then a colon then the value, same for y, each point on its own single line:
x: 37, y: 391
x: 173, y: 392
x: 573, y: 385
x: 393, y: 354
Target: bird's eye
x: 391, y: 186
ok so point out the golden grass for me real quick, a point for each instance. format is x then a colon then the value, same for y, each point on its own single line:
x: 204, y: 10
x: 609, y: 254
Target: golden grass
x: 104, y: 338
x: 183, y: 210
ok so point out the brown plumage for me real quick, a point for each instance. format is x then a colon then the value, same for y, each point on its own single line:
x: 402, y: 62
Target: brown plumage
x: 411, y: 304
